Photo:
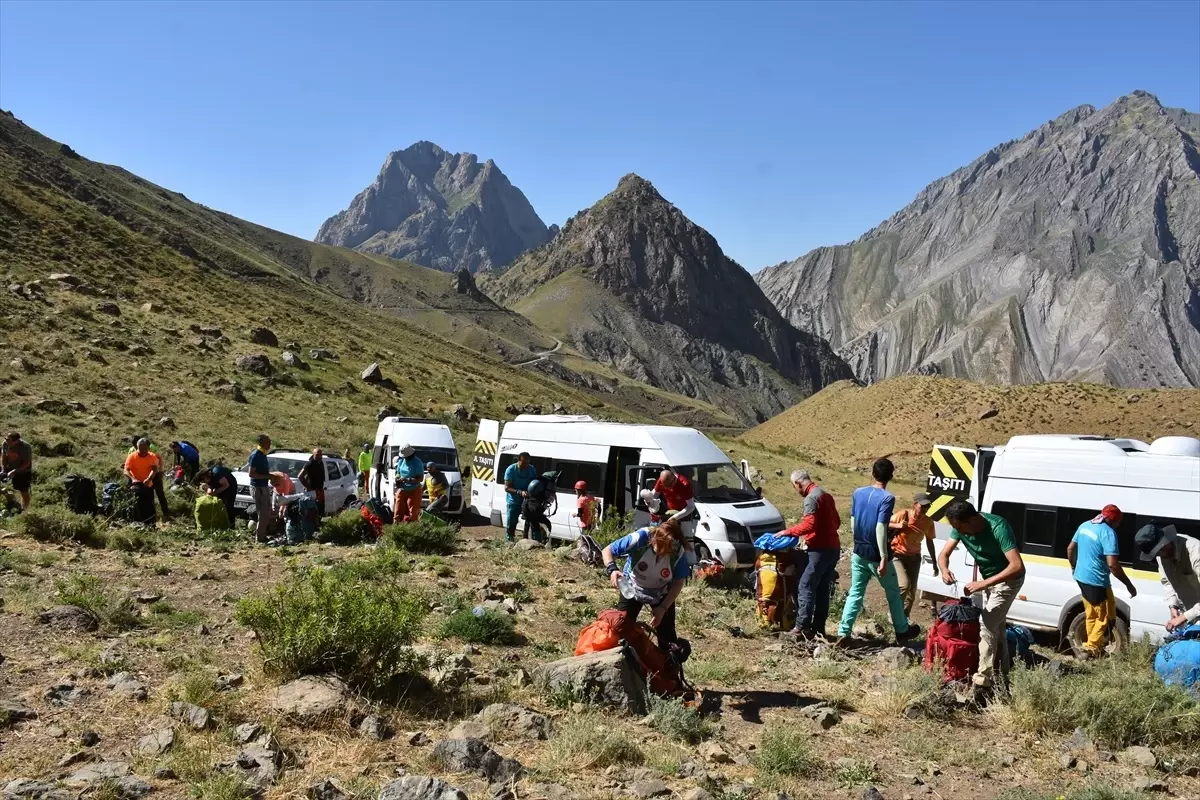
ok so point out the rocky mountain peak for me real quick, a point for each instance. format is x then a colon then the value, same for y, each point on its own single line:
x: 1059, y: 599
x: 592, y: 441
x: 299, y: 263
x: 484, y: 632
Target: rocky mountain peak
x: 438, y: 209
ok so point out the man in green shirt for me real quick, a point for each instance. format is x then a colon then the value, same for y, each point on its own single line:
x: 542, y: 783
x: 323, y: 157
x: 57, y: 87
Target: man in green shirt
x: 364, y: 466
x: 990, y: 542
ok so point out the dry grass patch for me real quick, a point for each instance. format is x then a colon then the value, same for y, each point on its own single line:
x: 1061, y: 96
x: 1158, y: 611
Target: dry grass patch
x: 591, y: 741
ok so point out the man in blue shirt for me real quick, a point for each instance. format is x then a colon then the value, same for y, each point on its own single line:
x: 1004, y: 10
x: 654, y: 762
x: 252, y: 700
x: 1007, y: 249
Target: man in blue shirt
x: 260, y: 488
x: 1094, y: 555
x: 186, y: 456
x: 871, y: 510
x: 517, y: 478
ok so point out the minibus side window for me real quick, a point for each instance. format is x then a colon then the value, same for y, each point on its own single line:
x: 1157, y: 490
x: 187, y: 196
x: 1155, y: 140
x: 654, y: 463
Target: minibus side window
x: 573, y: 471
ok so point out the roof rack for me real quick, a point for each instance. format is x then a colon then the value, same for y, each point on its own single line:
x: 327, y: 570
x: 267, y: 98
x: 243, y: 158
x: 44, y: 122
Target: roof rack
x: 415, y: 420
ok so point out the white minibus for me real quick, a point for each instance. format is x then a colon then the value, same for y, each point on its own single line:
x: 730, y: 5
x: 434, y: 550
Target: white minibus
x: 1045, y: 486
x: 434, y: 445
x: 618, y: 461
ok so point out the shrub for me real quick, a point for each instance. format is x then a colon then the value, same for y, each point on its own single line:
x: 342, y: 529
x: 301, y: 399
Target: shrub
x: 1119, y: 701
x: 181, y: 500
x: 59, y: 526
x: 488, y: 627
x: 890, y: 697
x: 427, y: 535
x: 335, y: 621
x: 670, y: 717
x: 133, y: 539
x: 221, y: 786
x: 384, y: 563
x: 591, y: 741
x: 348, y: 527
x: 858, y: 773
x: 162, y: 614
x: 612, y: 527
x: 785, y: 751
x: 113, y: 609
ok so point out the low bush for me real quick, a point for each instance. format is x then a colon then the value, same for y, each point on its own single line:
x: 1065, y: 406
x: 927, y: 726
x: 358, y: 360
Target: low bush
x: 487, y: 627
x: 133, y: 539
x: 590, y: 741
x: 384, y: 563
x: 786, y: 751
x: 858, y: 773
x: 112, y: 608
x: 716, y: 669
x: 670, y: 717
x: 181, y: 500
x: 348, y: 527
x: 612, y: 527
x: 889, y: 698
x: 335, y: 621
x: 60, y: 526
x: 427, y: 535
x: 1119, y: 701
x: 1095, y: 792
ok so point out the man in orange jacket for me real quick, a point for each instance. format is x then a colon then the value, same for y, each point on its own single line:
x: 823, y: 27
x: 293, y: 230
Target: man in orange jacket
x: 819, y: 530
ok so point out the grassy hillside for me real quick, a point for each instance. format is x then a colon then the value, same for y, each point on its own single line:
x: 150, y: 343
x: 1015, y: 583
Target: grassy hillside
x: 851, y: 425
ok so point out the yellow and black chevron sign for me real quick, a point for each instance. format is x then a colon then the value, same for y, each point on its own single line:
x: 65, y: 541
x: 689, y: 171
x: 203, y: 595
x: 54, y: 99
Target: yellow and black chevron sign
x: 951, y: 473
x: 483, y: 461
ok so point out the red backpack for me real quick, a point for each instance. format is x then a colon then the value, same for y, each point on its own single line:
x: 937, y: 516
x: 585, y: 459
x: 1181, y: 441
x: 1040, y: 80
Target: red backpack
x: 954, y: 641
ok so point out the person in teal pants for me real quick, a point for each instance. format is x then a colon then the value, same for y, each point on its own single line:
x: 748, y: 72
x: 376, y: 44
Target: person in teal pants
x: 871, y: 510
x: 517, y: 478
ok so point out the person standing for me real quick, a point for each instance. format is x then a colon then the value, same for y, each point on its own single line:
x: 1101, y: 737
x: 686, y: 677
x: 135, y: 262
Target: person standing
x: 16, y: 464
x: 143, y: 468
x: 585, y: 507
x: 260, y: 488
x: 818, y: 528
x: 676, y: 491
x: 1093, y: 556
x: 158, y: 487
x: 1179, y: 562
x: 870, y: 511
x: 990, y: 542
x: 657, y: 566
x: 410, y: 477
x: 437, y: 489
x: 312, y: 477
x: 911, y: 528
x: 218, y: 481
x: 364, y: 468
x: 517, y: 478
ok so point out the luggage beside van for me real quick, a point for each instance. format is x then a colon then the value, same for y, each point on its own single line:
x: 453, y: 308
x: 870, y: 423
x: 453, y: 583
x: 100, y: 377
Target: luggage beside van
x: 1177, y: 662
x: 210, y: 513
x: 953, y: 641
x: 775, y: 578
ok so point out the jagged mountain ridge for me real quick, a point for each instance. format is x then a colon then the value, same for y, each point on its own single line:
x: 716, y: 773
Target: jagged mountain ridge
x: 1072, y: 253
x: 439, y: 210
x: 633, y: 283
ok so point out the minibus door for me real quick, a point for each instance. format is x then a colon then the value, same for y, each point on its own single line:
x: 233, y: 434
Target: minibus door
x: 380, y: 477
x: 644, y: 477
x: 483, y: 470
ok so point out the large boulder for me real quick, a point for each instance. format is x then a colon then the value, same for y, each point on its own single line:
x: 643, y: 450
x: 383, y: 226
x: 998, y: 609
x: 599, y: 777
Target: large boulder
x: 474, y: 756
x: 420, y: 787
x: 257, y: 363
x: 606, y: 678
x: 510, y: 720
x: 312, y: 699
x: 69, y: 618
x: 264, y: 336
x: 372, y: 374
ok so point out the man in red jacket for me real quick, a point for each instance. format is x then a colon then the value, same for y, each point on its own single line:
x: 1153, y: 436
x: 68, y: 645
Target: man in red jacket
x: 819, y: 530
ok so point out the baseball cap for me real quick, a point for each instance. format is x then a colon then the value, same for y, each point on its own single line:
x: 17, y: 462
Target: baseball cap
x: 1111, y: 514
x: 922, y: 499
x: 1151, y: 539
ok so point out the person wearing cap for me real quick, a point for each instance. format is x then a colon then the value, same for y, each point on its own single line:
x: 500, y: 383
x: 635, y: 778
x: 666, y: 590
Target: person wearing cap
x: 410, y: 477
x: 818, y: 527
x: 910, y: 528
x: 1093, y: 556
x: 364, y: 466
x: 437, y: 489
x: 16, y: 464
x: 1179, y: 562
x: 585, y: 507
x: 990, y: 542
x: 517, y: 478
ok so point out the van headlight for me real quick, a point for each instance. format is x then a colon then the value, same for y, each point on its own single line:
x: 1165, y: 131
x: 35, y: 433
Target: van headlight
x: 456, y: 489
x: 736, y: 532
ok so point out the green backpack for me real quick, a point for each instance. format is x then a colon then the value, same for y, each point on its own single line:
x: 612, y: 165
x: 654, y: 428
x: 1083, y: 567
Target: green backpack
x: 210, y: 514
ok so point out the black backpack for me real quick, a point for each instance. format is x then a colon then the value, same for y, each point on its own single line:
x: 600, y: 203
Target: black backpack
x: 81, y: 494
x: 544, y: 492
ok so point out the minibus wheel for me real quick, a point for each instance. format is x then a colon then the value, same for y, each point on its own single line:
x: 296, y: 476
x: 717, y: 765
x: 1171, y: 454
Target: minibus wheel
x: 1118, y: 640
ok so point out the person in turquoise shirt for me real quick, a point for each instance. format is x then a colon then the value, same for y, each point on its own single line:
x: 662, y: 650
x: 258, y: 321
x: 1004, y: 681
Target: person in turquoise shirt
x: 517, y: 478
x: 1094, y: 555
x: 410, y: 481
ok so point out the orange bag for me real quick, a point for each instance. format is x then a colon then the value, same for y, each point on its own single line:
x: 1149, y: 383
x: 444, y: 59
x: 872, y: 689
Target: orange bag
x: 651, y: 661
x: 603, y: 634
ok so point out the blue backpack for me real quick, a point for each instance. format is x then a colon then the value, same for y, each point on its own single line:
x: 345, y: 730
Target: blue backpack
x: 1178, y: 660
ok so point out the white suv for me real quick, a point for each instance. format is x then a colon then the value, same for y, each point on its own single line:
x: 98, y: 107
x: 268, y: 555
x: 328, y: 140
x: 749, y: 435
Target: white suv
x: 341, y: 480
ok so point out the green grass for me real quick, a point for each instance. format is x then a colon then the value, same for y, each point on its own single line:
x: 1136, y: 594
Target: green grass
x: 59, y: 526
x: 591, y: 742
x: 785, y: 752
x: 426, y: 535
x: 161, y: 614
x: 670, y: 717
x: 112, y: 608
x: 491, y: 627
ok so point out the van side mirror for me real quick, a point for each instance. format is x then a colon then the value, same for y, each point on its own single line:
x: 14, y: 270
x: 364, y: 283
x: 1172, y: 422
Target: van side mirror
x: 758, y: 491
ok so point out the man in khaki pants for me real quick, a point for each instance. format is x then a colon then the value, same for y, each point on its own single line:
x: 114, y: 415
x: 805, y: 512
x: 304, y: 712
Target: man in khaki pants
x: 990, y: 541
x: 910, y: 530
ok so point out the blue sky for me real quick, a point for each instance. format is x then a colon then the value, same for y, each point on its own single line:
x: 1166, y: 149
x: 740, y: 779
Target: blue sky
x: 778, y: 127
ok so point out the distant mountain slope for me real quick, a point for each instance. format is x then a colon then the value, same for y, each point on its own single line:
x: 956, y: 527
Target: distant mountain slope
x: 438, y: 209
x: 1070, y: 254
x: 902, y: 418
x: 633, y: 283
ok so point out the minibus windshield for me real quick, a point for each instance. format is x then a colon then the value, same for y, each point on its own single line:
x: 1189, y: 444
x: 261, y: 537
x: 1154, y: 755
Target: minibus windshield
x: 718, y: 483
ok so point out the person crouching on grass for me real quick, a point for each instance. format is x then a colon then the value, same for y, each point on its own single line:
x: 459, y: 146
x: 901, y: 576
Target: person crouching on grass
x: 659, y: 561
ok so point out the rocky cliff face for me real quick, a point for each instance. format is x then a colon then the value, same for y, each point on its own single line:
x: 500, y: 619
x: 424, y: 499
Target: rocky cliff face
x: 1072, y: 253
x: 633, y: 283
x: 440, y: 210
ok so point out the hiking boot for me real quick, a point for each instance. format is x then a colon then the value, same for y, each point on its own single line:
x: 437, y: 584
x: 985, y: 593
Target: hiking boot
x: 913, y: 632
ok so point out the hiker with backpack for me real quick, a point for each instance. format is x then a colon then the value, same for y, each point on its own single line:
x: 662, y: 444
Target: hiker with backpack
x: 818, y: 528
x: 517, y: 478
x: 16, y: 465
x: 585, y: 508
x: 144, y: 470
x: 658, y: 562
x: 991, y: 544
x: 409, y: 478
x: 218, y: 481
x: 187, y: 455
x: 871, y: 510
x: 312, y: 477
x: 539, y: 495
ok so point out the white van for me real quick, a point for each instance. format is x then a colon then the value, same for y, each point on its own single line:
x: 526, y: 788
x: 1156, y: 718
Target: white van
x: 1045, y: 487
x: 618, y: 461
x: 434, y: 445
x: 341, y: 481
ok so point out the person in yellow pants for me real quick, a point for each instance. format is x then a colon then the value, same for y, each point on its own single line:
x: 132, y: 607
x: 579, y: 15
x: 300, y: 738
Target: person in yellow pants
x: 1093, y: 555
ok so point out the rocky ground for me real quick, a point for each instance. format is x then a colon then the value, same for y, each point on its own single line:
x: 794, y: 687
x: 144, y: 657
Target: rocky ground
x: 178, y: 704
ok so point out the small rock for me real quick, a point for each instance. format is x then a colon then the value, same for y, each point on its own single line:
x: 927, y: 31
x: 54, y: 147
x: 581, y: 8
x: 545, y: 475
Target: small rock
x: 372, y: 374
x: 374, y: 727
x: 1149, y: 785
x: 896, y: 658
x: 1007, y: 759
x: 68, y: 618
x: 384, y: 412
x: 988, y: 413
x: 511, y: 605
x: 126, y: 685
x: 226, y: 682
x: 104, y: 770
x: 1078, y: 742
x: 247, y: 732
x: 525, y: 545
x: 827, y: 718
x: 54, y: 732
x: 264, y: 336
x: 715, y: 753
x: 696, y: 793
x: 165, y: 774
x: 420, y: 787
x: 872, y: 793
x: 511, y: 720
x: 257, y: 363
x: 64, y: 277
x: 1067, y: 761
x: 152, y: 308
x: 577, y: 598
x: 1083, y: 767
x: 112, y: 309
x: 320, y: 354
x: 231, y: 390
x: 1138, y: 756
x: 470, y: 729
x: 63, y: 693
x: 869, y: 629
x: 89, y: 738
x: 419, y: 739
x: 195, y: 716
x: 474, y: 756
x: 653, y: 787
x: 75, y: 758
x: 147, y: 597
x: 328, y: 789
x: 291, y: 359
x: 1133, y: 398
x: 156, y: 743
x: 12, y: 712
x: 312, y: 698
x: 260, y: 763
x: 167, y: 422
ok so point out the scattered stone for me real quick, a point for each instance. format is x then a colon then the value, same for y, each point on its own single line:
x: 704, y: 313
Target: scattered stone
x: 328, y: 789
x: 577, y: 598
x: 247, y: 732
x: 1138, y: 756
x: 29, y: 789
x: 226, y: 682
x: 419, y: 739
x: 63, y: 693
x: 165, y: 774
x: 605, y: 678
x: 195, y: 716
x: 147, y: 597
x: 257, y: 363
x: 1133, y: 398
x: 104, y: 770
x: 1105, y: 756
x: 1007, y: 759
x: 152, y: 308
x: 872, y: 793
x: 1067, y: 761
x: 896, y: 658
x: 260, y: 763
x: 474, y: 756
x: 64, y: 277
x: 420, y: 787
x: 696, y: 793
x: 988, y: 413
x: 167, y: 422
x: 54, y: 732
x: 384, y: 412
x: 89, y: 738
x: 126, y: 685
x: 471, y: 729
x: 1149, y: 785
x: 231, y: 390
x: 374, y: 727
x: 263, y: 336
x: 514, y: 720
x: 1079, y: 741
x: 291, y: 359
x: 525, y: 545
x: 459, y: 412
x: 320, y: 354
x: 156, y: 743
x: 312, y: 698
x: 75, y: 758
x: 1083, y: 767
x: 112, y: 309
x: 715, y: 753
x: 652, y: 787
x: 12, y: 712
x: 827, y: 718
x: 372, y: 374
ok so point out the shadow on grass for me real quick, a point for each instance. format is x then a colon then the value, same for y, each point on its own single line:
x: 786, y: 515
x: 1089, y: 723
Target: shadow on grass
x: 750, y: 705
